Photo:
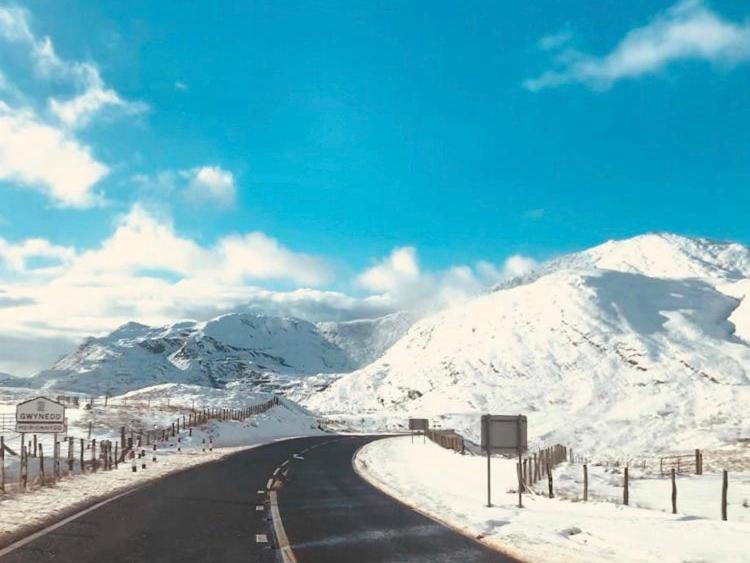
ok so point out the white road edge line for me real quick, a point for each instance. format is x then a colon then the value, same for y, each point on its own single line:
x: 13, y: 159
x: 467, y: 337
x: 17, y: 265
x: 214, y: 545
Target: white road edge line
x: 268, y: 485
x: 282, y: 541
x: 44, y: 531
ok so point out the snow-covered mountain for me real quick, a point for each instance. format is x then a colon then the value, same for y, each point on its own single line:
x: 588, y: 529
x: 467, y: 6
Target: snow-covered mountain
x: 364, y: 341
x: 642, y: 344
x: 8, y: 380
x: 231, y: 347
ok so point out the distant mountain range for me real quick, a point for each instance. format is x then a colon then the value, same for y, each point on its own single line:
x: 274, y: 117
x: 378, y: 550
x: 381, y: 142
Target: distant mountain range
x: 237, y: 346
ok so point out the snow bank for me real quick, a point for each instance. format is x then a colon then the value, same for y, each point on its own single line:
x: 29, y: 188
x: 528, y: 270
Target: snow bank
x: 452, y: 488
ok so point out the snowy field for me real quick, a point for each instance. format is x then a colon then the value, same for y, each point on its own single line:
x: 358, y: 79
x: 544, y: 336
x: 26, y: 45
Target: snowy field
x: 21, y: 511
x: 452, y: 488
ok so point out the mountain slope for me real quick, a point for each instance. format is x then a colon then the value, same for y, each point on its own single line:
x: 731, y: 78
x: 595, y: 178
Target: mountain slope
x: 630, y: 344
x: 212, y: 353
x: 366, y: 340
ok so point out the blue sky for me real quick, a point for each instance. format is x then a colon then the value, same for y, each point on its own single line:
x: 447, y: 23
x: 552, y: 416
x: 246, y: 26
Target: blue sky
x: 361, y: 150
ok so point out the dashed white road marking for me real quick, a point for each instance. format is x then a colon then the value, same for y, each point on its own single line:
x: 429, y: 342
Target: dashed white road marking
x: 276, y: 471
x: 261, y: 491
x: 268, y: 485
x: 259, y: 507
x: 261, y: 538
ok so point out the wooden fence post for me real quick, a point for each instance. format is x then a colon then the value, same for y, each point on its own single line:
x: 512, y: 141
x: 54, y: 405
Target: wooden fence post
x: 70, y: 456
x: 2, y: 463
x: 549, y: 482
x: 625, y: 491
x: 585, y: 482
x: 724, y: 487
x: 674, y: 493
x: 83, y: 470
x: 41, y: 462
x: 93, y: 455
x: 21, y: 474
x: 36, y: 450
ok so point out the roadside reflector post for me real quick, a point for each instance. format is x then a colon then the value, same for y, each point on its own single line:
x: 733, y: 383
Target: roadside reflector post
x: 210, y: 444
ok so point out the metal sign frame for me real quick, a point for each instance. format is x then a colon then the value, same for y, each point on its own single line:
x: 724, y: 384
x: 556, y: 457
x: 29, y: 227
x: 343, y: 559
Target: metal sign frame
x: 504, y: 434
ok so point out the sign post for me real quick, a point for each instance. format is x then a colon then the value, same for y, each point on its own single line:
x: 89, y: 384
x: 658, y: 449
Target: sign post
x: 40, y: 416
x: 420, y: 425
x: 504, y: 434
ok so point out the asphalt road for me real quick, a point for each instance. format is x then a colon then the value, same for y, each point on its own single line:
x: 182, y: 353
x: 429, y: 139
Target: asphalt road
x: 210, y: 514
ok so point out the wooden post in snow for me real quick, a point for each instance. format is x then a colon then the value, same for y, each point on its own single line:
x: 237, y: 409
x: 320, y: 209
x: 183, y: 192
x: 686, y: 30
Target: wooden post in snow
x: 625, y: 491
x: 674, y: 493
x: 2, y: 463
x: 724, y: 487
x: 41, y: 462
x: 585, y: 482
x: 70, y: 456
x: 83, y: 470
x: 549, y: 482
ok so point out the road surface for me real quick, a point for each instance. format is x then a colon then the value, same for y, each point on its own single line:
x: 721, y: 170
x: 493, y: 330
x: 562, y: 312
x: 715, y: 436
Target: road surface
x: 219, y: 512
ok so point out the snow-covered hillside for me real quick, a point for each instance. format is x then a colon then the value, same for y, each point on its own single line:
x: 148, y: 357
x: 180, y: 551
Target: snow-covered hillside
x: 231, y: 347
x: 632, y: 345
x: 366, y: 340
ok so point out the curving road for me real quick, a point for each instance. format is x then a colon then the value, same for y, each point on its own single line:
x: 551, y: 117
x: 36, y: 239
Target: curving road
x: 219, y: 512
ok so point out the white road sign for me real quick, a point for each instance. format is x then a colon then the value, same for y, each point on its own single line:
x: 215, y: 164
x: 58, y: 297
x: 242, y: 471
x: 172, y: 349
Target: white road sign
x: 40, y: 416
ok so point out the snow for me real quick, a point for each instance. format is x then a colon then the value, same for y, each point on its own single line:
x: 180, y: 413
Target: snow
x: 628, y: 349
x: 260, y: 348
x: 366, y: 340
x: 22, y: 511
x: 452, y: 488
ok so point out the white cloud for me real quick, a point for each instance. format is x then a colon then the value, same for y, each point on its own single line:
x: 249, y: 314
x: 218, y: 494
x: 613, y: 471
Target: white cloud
x: 17, y: 256
x: 92, y: 95
x: 211, y: 184
x: 146, y: 271
x: 201, y: 185
x: 688, y: 30
x: 399, y: 280
x: 398, y: 270
x: 46, y: 158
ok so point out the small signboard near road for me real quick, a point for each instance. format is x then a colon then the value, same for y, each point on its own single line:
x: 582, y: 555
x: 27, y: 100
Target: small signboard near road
x: 504, y: 434
x: 419, y: 424
x: 40, y: 416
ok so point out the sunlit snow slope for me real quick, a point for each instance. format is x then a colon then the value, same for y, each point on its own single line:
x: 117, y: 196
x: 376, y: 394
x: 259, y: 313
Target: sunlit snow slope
x: 640, y: 344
